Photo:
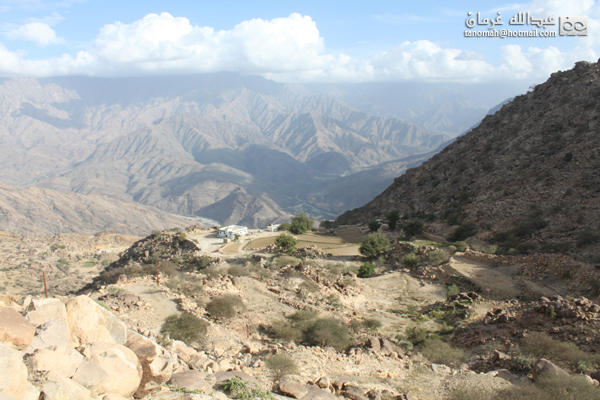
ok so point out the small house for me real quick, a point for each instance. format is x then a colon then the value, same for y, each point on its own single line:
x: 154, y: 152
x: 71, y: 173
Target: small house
x: 232, y: 230
x: 273, y: 228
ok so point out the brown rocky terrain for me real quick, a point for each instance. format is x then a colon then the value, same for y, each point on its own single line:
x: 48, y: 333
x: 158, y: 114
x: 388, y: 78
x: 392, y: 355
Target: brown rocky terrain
x: 38, y: 211
x: 303, y: 326
x: 526, y: 178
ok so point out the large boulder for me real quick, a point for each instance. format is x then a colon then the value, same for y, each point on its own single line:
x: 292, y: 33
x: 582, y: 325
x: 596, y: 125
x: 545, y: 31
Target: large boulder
x: 13, y: 372
x: 62, y: 360
x: 58, y: 387
x: 544, y: 367
x: 123, y: 368
x: 157, y: 363
x: 15, y: 330
x: 44, y: 310
x: 90, y: 322
x: 51, y: 333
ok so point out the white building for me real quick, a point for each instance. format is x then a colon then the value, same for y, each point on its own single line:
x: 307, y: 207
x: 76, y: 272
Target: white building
x: 273, y: 228
x: 232, y: 230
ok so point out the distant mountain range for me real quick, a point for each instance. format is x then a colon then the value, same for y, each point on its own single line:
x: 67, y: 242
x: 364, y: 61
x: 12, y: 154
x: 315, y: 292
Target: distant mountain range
x: 231, y: 148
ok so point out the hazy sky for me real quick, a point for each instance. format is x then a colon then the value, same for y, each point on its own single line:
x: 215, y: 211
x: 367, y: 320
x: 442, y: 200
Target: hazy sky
x: 325, y: 41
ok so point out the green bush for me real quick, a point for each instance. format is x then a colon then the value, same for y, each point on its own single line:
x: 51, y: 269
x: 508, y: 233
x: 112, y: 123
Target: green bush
x: 281, y: 365
x: 452, y: 290
x: 373, y: 245
x: 463, y: 232
x: 412, y: 228
x: 185, y: 327
x: 285, y: 226
x: 240, y: 389
x: 226, y: 306
x: 461, y: 245
x: 366, y: 270
x: 301, y: 223
x: 410, y: 261
x: 327, y: 332
x: 286, y: 243
x: 440, y: 352
x: 437, y: 257
x: 393, y: 217
x: 416, y: 334
x: 374, y: 225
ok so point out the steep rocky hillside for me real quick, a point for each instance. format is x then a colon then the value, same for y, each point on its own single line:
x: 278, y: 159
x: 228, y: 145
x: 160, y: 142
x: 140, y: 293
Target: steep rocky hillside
x: 38, y: 211
x: 526, y: 177
x: 192, y: 144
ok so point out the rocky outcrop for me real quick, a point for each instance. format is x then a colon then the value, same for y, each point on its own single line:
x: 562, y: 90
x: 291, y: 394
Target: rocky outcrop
x: 91, y: 323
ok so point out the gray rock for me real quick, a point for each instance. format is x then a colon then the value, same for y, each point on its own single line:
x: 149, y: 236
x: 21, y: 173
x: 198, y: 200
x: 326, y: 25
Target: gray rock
x: 547, y: 367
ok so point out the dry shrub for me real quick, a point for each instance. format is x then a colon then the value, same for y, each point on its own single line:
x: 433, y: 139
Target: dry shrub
x: 238, y: 270
x: 540, y: 345
x: 185, y: 327
x: 226, y: 306
x: 440, y: 352
x: 326, y: 332
x: 280, y: 366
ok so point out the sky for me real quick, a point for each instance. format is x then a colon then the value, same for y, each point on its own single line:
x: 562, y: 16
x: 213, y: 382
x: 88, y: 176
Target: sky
x: 291, y: 41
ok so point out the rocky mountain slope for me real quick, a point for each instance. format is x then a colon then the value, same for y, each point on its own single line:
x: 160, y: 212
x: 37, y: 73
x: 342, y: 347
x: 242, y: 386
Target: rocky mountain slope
x: 38, y: 211
x: 187, y: 144
x: 526, y: 177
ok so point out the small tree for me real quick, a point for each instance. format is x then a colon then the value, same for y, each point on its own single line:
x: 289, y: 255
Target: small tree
x: 326, y: 224
x: 286, y: 242
x: 411, y: 228
x: 392, y: 219
x: 373, y: 245
x: 301, y: 224
x: 285, y: 226
x: 374, y: 225
x: 366, y: 270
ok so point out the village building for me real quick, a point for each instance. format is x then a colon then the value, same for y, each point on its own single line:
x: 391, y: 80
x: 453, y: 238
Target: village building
x: 231, y: 230
x: 273, y: 227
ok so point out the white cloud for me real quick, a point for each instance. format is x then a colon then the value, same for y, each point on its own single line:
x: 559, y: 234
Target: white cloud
x: 37, y: 32
x: 292, y: 49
